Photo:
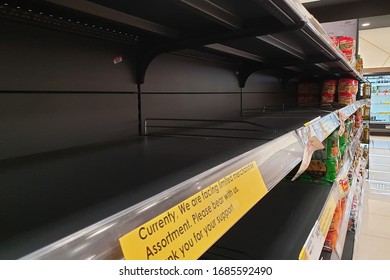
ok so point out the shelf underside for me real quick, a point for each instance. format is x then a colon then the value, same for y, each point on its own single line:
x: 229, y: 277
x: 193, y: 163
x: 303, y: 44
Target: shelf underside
x: 254, y: 36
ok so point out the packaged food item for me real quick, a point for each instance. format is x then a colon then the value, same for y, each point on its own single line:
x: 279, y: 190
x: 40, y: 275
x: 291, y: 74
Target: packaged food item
x: 308, y: 93
x: 324, y: 166
x: 331, y: 240
x: 358, y: 118
x: 359, y: 64
x: 348, y: 85
x: 328, y: 92
x: 348, y: 54
x: 346, y: 43
x: 344, y: 185
x: 365, y: 152
x: 347, y: 90
x: 366, y: 113
x: 333, y: 233
x: 365, y: 134
x: 353, y: 218
x: 337, y: 216
x: 347, y: 46
x: 366, y: 91
x: 345, y: 138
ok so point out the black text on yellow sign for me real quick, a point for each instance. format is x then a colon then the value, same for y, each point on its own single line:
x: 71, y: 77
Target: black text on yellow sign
x: 188, y: 229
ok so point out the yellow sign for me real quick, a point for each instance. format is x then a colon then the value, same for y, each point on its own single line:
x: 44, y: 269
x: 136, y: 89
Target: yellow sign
x: 327, y: 216
x: 303, y: 254
x: 188, y: 229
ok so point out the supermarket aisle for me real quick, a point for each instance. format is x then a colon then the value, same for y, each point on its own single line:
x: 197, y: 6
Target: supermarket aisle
x: 373, y: 235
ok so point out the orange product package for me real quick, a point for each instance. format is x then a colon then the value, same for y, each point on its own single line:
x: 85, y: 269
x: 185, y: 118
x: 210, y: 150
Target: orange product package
x: 336, y: 221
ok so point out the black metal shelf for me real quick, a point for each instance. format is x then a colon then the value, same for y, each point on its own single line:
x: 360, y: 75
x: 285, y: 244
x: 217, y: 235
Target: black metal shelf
x: 50, y: 196
x: 259, y: 35
x: 295, y: 206
x: 56, y: 194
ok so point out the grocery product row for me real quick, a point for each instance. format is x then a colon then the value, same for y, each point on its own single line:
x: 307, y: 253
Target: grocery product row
x: 347, y: 46
x: 342, y: 92
x: 345, y: 219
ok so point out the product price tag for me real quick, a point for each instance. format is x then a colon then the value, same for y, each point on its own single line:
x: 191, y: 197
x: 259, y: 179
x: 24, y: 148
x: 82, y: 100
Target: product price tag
x: 329, y: 124
x: 313, y: 246
x: 312, y: 121
x: 187, y: 230
x: 327, y: 215
x: 350, y: 153
x: 343, y: 118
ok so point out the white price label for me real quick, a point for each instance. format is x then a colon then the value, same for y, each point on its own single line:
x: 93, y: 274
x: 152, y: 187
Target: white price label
x: 313, y: 246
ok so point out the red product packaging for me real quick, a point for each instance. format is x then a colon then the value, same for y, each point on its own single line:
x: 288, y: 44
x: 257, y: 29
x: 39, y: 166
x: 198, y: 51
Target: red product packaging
x: 346, y: 43
x: 348, y: 54
x: 347, y: 90
x: 328, y: 91
x: 348, y: 46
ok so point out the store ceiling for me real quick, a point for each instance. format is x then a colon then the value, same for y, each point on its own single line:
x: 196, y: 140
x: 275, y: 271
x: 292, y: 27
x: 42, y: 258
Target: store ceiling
x: 374, y: 40
x: 374, y: 46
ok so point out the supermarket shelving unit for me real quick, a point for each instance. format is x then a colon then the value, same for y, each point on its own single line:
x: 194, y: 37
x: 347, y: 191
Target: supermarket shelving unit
x: 300, y: 212
x: 276, y: 36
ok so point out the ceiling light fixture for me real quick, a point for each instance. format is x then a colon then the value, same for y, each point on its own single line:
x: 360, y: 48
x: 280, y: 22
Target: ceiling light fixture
x: 366, y: 24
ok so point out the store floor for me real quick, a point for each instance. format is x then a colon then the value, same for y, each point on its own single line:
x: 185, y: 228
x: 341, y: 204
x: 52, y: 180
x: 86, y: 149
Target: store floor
x: 373, y: 236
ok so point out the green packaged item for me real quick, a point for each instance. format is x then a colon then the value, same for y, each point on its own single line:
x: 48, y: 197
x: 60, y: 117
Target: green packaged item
x: 344, y: 139
x: 324, y: 164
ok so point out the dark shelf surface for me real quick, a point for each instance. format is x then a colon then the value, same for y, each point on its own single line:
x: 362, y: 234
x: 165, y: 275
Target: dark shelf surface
x: 277, y: 227
x: 348, y: 246
x: 49, y: 196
